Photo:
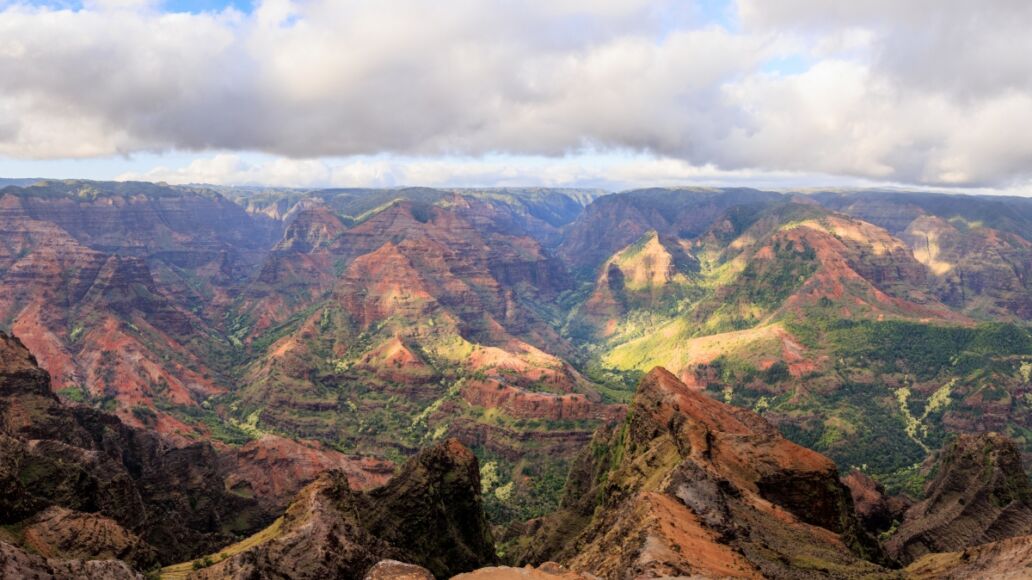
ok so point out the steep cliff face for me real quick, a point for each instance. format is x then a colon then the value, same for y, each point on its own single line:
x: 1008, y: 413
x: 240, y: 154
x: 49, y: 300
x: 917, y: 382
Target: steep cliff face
x: 687, y: 485
x: 430, y: 515
x: 980, y: 494
x: 125, y: 482
x: 983, y: 271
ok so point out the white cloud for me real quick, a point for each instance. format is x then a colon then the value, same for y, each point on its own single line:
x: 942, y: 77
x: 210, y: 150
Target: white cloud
x: 613, y: 171
x: 928, y: 91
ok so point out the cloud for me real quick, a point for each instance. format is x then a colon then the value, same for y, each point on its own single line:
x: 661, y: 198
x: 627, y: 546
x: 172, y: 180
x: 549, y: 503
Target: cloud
x: 612, y: 171
x: 932, y: 92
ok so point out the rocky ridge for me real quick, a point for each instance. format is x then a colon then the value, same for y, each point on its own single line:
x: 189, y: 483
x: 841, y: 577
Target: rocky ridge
x: 686, y: 485
x: 979, y: 494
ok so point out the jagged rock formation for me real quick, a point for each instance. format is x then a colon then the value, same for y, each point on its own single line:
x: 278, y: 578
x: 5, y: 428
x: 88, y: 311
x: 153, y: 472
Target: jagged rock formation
x: 687, y: 485
x: 430, y: 515
x: 318, y: 537
x: 126, y: 482
x: 432, y: 511
x: 980, y: 494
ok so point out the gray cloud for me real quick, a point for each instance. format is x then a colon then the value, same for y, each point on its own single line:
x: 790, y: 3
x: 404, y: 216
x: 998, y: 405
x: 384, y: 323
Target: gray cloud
x: 934, y: 92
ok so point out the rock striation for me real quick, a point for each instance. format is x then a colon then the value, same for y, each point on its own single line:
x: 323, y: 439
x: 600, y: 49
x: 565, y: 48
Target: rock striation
x: 17, y: 563
x: 979, y: 494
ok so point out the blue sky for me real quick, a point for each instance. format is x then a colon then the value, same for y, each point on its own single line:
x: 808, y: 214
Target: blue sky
x: 564, y: 92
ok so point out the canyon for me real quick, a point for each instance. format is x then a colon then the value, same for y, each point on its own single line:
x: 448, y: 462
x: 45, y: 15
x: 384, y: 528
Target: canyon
x: 226, y: 366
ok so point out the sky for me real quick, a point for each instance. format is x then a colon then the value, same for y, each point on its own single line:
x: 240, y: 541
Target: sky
x: 930, y: 94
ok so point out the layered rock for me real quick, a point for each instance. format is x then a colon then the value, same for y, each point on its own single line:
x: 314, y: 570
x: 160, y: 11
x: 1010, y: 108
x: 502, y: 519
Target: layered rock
x: 524, y: 404
x: 687, y: 485
x: 1009, y: 559
x: 17, y: 563
x: 63, y: 534
x: 980, y: 494
x: 94, y: 312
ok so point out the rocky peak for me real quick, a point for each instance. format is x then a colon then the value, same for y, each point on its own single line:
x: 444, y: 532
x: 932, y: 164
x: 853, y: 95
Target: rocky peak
x: 979, y: 494
x: 19, y: 372
x: 433, y: 511
x: 739, y: 446
x: 702, y: 488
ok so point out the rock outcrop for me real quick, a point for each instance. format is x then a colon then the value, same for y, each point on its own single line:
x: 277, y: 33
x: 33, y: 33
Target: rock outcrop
x: 689, y: 486
x: 980, y: 494
x: 432, y: 511
x: 395, y: 570
x: 17, y: 563
x: 63, y: 534
x: 429, y: 515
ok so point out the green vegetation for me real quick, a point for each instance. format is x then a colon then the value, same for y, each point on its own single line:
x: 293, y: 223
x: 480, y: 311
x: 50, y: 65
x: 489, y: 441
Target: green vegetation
x: 768, y: 283
x: 516, y: 491
x: 925, y: 351
x: 218, y: 428
x: 74, y: 393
